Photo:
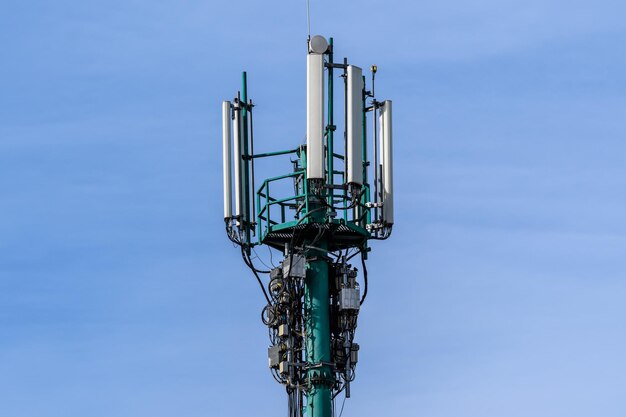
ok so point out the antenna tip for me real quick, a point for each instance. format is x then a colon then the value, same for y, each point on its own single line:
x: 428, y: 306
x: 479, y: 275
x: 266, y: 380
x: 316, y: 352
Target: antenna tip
x: 318, y: 44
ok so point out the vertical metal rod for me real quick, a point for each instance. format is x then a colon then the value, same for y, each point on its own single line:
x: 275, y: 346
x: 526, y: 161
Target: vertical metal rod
x: 269, y: 208
x: 364, y: 135
x: 258, y: 220
x: 305, y: 180
x: 345, y: 136
x: 308, y: 19
x: 364, y: 196
x: 374, y: 136
x: 253, y: 218
x: 330, y: 127
x: 246, y: 166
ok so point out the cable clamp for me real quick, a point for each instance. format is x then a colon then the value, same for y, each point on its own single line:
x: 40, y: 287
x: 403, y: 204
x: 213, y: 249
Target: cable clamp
x: 374, y: 226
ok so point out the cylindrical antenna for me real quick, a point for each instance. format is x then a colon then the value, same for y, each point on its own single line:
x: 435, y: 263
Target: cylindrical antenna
x: 226, y: 159
x: 315, y: 108
x: 387, y: 164
x: 354, y: 126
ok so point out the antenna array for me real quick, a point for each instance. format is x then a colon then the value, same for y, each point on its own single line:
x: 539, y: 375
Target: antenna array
x: 313, y: 297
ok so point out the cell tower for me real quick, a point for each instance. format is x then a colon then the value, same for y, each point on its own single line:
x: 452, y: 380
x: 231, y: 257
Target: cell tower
x: 320, y: 225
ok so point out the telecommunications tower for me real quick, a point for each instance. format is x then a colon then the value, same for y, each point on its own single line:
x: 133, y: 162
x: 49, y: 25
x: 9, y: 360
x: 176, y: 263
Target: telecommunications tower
x: 320, y: 215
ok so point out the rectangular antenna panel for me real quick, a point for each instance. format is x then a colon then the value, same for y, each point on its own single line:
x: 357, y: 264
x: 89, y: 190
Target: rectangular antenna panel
x: 315, y: 116
x: 226, y: 159
x: 238, y: 172
x: 387, y: 162
x: 354, y: 128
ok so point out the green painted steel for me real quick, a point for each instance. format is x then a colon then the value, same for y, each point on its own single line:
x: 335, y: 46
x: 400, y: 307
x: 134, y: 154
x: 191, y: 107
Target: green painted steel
x: 246, y: 163
x: 320, y: 377
x: 365, y: 197
x: 265, y: 155
x: 330, y: 129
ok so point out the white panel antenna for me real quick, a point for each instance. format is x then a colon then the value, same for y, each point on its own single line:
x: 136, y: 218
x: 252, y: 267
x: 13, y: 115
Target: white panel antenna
x: 315, y: 109
x: 386, y: 158
x: 355, y: 125
x: 226, y: 159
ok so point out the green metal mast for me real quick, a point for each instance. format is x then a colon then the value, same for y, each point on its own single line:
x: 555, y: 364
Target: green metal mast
x: 319, y: 376
x: 313, y: 297
x: 316, y: 289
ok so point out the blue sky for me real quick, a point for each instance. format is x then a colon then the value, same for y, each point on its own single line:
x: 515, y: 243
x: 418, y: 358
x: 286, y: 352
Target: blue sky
x: 501, y: 292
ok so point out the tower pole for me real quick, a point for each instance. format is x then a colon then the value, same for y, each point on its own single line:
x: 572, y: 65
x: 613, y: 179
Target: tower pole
x: 320, y: 377
x: 319, y: 374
